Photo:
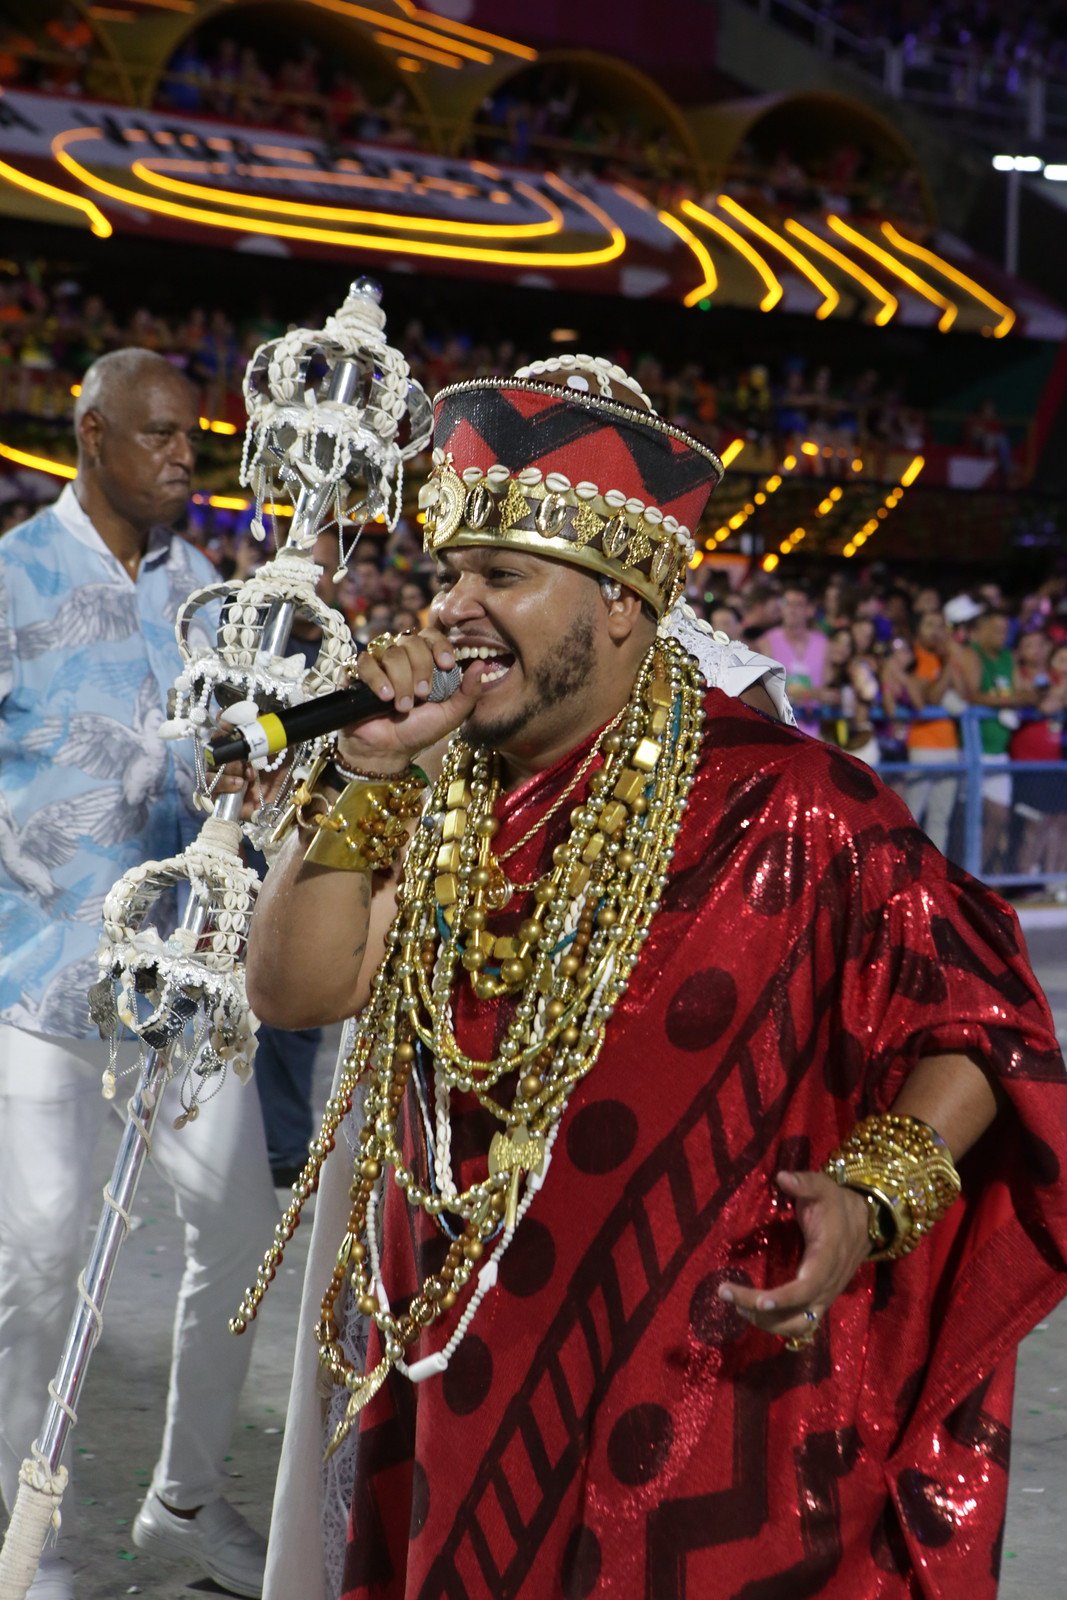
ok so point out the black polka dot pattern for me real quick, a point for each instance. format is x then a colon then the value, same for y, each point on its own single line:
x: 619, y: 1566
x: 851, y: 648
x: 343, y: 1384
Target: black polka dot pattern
x: 702, y: 1009
x: 851, y: 778
x: 601, y: 1136
x: 529, y: 1261
x: 774, y: 873
x: 640, y: 1443
x: 468, y: 1377
x: 581, y: 1564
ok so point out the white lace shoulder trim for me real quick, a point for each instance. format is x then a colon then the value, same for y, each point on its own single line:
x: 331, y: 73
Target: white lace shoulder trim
x: 726, y: 663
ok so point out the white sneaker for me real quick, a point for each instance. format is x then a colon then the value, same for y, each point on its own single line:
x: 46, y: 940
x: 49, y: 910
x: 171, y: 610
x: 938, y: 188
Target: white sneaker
x: 218, y: 1538
x: 54, y: 1580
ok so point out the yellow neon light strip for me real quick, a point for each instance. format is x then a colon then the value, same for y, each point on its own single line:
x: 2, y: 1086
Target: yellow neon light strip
x: 298, y: 208
x: 831, y: 298
x: 949, y: 311
x: 396, y: 245
x: 769, y: 486
x: 47, y: 191
x: 425, y: 52
x: 347, y: 174
x: 889, y: 504
x: 496, y: 41
x: 22, y: 458
x: 954, y: 275
x: 408, y: 30
x: 889, y: 304
x: 743, y: 248
x: 707, y: 266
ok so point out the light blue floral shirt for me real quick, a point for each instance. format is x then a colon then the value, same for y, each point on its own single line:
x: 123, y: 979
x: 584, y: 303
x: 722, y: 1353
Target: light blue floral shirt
x: 87, y: 787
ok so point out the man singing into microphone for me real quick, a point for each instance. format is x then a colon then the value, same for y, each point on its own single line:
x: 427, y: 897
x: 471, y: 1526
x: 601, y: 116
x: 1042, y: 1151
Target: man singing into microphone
x: 676, y: 1041
x: 88, y: 593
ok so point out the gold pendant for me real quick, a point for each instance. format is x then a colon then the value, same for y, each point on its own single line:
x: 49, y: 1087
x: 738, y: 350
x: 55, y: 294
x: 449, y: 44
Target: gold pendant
x: 362, y: 1393
x: 498, y: 889
x: 517, y: 1152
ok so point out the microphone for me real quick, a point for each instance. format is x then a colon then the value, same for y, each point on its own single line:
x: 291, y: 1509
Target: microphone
x: 266, y: 735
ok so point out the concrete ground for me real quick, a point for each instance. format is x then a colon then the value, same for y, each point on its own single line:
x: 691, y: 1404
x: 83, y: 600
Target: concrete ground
x: 115, y: 1442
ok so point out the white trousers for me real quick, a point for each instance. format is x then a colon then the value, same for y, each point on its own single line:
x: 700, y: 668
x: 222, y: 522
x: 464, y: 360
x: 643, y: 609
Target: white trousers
x: 933, y: 800
x: 51, y: 1115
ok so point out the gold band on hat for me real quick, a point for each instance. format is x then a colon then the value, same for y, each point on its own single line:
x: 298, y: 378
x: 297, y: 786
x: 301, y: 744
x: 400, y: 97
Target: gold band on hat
x: 608, y: 534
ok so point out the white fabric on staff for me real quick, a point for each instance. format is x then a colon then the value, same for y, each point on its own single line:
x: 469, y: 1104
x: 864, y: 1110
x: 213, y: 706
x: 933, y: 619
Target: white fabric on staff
x: 51, y: 1115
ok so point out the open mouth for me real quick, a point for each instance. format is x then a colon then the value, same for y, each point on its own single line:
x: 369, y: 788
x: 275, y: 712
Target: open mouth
x: 489, y: 663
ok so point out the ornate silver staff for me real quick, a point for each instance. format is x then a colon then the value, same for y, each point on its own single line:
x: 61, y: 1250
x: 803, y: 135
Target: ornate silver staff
x: 333, y: 413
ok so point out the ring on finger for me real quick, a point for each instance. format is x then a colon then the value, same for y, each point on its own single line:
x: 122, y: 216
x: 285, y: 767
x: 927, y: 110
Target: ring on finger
x: 381, y: 643
x: 801, y: 1341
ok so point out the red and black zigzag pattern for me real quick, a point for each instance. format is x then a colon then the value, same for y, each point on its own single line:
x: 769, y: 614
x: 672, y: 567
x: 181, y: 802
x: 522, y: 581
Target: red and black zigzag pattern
x: 522, y: 428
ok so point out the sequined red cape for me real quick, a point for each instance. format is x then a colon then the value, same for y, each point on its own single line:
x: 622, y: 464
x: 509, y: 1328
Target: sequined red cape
x: 609, y: 1426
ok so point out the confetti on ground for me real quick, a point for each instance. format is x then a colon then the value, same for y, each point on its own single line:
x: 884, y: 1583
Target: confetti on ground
x: 272, y: 1430
x: 1033, y: 1491
x: 127, y: 1555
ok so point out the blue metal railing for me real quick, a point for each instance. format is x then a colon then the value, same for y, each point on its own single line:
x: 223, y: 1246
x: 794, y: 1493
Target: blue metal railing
x: 971, y: 766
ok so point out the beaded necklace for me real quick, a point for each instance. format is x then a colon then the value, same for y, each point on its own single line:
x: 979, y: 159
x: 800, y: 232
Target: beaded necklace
x: 567, y: 968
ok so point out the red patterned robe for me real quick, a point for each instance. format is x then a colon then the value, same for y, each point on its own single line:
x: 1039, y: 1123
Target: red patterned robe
x: 610, y: 1427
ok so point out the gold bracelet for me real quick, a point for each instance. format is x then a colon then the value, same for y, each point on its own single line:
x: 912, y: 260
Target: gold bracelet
x: 905, y: 1168
x: 305, y: 795
x: 366, y: 827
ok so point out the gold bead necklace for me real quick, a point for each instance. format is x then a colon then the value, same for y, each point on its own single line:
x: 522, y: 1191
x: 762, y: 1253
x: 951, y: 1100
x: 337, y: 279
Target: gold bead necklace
x: 572, y: 961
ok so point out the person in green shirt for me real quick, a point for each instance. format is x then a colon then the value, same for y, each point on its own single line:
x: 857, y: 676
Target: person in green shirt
x: 987, y: 671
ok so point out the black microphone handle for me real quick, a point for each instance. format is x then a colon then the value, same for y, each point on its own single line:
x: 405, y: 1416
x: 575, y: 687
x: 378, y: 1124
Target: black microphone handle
x: 310, y: 719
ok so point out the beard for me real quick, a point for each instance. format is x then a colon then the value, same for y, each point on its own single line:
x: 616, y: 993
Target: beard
x: 554, y: 680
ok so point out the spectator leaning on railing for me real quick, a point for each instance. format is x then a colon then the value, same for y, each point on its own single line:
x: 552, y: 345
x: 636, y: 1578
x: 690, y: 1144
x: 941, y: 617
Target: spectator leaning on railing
x: 1041, y: 797
x: 938, y: 676
x: 988, y: 678
x: 802, y: 650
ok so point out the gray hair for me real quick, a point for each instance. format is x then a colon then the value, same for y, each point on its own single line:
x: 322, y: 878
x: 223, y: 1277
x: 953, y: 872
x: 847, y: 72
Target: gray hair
x: 113, y: 377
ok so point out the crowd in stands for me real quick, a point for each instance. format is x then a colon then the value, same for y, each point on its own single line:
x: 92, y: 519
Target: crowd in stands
x: 881, y: 664
x: 868, y: 657
x: 1031, y: 36
x: 51, y: 328
x: 885, y: 668
x: 548, y: 119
